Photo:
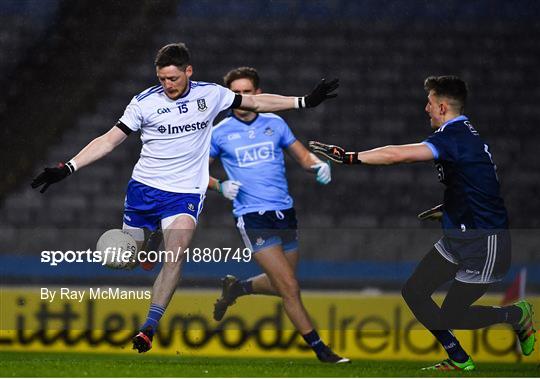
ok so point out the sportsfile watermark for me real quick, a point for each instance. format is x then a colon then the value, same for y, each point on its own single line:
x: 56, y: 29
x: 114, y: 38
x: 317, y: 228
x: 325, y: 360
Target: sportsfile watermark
x: 119, y: 256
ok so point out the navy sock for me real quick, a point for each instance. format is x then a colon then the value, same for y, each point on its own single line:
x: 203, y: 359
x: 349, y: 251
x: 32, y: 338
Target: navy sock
x: 314, y: 341
x: 152, y: 320
x: 245, y: 287
x: 451, y: 345
x: 513, y: 315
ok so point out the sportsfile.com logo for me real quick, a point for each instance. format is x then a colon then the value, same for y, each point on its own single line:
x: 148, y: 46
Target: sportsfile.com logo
x: 252, y: 155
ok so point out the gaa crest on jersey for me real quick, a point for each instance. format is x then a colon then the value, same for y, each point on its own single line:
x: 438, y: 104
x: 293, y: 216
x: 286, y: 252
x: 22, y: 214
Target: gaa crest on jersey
x: 269, y: 131
x: 201, y: 105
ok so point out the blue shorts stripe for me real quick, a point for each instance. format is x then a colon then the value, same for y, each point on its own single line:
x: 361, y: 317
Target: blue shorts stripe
x: 243, y: 234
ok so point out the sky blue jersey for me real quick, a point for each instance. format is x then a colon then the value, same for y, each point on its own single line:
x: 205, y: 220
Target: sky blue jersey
x: 252, y: 153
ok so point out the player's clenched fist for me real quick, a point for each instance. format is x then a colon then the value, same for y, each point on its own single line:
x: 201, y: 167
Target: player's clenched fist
x: 229, y: 189
x: 324, y: 173
x: 52, y: 175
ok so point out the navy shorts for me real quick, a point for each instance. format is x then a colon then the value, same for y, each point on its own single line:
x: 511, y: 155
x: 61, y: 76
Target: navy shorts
x: 260, y: 230
x: 484, y: 259
x: 146, y: 206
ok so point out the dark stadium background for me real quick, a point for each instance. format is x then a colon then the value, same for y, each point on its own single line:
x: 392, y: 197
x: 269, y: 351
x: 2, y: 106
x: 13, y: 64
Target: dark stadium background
x: 69, y: 68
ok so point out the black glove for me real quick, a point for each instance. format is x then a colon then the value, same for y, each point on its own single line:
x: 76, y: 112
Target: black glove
x: 52, y: 175
x: 320, y: 93
x: 434, y: 213
x: 334, y: 153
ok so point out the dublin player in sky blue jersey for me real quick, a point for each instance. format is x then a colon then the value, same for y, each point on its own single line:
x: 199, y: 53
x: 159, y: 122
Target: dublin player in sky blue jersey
x: 250, y: 147
x: 475, y: 248
x: 171, y: 177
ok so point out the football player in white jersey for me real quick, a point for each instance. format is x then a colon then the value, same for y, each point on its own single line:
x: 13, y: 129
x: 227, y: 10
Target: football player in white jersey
x: 170, y: 179
x: 251, y: 147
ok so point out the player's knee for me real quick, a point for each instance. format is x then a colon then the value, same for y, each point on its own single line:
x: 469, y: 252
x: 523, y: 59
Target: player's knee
x: 289, y: 288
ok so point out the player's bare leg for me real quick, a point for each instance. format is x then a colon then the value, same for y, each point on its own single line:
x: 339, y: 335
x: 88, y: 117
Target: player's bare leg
x: 261, y: 283
x: 280, y: 275
x: 177, y: 238
x: 233, y: 288
x: 280, y: 278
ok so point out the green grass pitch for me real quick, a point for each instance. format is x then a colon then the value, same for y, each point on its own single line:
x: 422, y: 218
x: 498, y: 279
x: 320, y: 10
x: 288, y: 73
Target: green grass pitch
x: 27, y: 364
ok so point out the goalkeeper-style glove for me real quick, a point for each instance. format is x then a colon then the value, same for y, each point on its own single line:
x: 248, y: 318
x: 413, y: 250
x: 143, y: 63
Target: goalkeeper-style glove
x: 51, y: 175
x: 324, y: 175
x: 229, y: 189
x: 320, y: 93
x: 334, y: 153
x: 434, y: 213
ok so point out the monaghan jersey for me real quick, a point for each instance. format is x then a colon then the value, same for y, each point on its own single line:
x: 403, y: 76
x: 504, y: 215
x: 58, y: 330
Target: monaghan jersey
x: 176, y: 135
x: 472, y: 200
x: 252, y: 153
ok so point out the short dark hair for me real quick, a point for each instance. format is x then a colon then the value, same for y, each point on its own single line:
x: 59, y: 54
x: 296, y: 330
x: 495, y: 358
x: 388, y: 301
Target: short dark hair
x: 173, y: 54
x: 242, y: 73
x: 448, y: 86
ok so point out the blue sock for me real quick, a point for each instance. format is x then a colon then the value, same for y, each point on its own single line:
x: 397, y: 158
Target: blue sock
x: 451, y: 345
x: 314, y: 341
x: 154, y: 315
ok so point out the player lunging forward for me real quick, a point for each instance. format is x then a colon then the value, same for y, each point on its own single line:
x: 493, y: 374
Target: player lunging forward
x: 250, y: 146
x: 475, y: 248
x: 171, y: 177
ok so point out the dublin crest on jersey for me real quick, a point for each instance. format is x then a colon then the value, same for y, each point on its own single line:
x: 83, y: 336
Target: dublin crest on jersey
x: 201, y: 105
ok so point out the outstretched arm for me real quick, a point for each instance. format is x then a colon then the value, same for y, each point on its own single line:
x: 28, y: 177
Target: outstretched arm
x: 387, y: 155
x: 272, y: 103
x: 95, y: 150
x: 99, y: 147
